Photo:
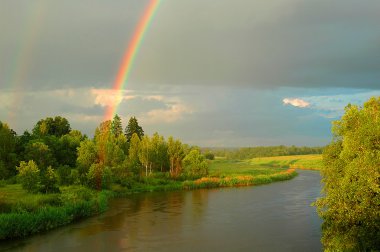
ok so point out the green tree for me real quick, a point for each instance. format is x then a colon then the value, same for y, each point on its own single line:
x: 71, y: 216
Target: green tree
x: 49, y: 181
x: 195, y: 164
x: 350, y: 207
x: 159, y: 151
x: 146, y: 153
x: 67, y: 145
x: 29, y: 175
x: 87, y: 156
x: 40, y: 153
x: 109, y: 147
x: 133, y: 154
x: 117, y: 127
x: 8, y: 157
x: 176, y: 154
x: 133, y: 127
x: 57, y: 126
x: 99, y: 177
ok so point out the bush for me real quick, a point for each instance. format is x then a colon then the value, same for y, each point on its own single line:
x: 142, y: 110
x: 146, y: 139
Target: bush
x: 99, y: 177
x: 209, y: 156
x: 29, y: 175
x: 49, y: 181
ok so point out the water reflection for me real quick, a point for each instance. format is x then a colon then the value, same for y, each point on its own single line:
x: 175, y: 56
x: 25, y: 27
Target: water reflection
x: 275, y: 217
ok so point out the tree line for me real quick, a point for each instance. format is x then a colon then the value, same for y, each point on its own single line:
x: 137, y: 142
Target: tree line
x: 53, y: 154
x: 262, y: 151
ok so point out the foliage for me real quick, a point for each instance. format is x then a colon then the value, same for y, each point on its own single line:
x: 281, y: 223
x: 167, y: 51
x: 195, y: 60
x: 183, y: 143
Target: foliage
x: 29, y: 175
x: 262, y: 151
x: 8, y: 157
x: 133, y: 161
x: 350, y: 207
x: 49, y: 181
x: 238, y: 180
x: 99, y: 177
x: 86, y: 155
x: 195, y: 165
x: 176, y: 154
x: 133, y: 127
x: 40, y: 153
x: 78, y: 202
x: 116, y: 126
x: 209, y: 155
x: 57, y: 126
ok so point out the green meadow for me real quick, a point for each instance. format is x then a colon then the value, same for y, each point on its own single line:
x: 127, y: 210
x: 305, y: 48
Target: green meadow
x: 264, y: 166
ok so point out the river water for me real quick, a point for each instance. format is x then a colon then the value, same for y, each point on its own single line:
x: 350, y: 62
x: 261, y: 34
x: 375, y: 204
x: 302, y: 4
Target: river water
x: 273, y: 217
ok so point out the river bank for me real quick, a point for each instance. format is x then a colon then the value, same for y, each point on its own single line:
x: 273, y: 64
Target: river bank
x: 273, y: 217
x: 26, y: 214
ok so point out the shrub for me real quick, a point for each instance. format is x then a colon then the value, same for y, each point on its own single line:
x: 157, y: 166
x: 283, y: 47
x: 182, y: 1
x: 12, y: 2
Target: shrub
x: 29, y: 175
x: 49, y: 181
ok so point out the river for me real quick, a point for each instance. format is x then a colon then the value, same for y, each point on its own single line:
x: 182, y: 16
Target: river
x: 273, y: 217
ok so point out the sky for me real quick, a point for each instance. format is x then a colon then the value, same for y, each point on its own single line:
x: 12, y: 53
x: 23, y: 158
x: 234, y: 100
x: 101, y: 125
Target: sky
x: 212, y: 73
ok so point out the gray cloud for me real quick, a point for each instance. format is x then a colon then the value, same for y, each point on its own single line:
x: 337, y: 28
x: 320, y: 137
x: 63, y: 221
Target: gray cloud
x: 219, y: 66
x: 263, y: 44
x: 243, y: 43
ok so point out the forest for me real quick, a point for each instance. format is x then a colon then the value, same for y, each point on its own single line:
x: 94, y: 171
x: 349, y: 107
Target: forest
x: 53, y: 154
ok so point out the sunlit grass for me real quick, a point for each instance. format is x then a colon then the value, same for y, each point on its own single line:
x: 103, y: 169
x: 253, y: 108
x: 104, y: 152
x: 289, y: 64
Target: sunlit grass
x: 307, y: 162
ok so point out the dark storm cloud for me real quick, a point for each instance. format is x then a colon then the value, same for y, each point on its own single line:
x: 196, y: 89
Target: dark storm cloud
x: 255, y: 43
x: 264, y: 44
x: 66, y: 43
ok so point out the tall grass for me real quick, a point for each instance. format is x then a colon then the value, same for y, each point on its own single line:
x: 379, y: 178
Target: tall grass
x: 25, y: 221
x: 306, y: 162
x: 240, y: 180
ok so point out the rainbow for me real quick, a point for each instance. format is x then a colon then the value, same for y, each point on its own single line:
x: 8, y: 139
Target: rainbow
x: 32, y: 25
x: 130, y: 55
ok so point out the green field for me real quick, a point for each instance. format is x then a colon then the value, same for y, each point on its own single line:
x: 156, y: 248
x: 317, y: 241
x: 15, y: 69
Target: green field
x: 264, y: 166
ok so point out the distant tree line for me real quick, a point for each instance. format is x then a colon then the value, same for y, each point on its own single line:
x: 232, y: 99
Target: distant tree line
x: 262, y: 151
x: 53, y: 154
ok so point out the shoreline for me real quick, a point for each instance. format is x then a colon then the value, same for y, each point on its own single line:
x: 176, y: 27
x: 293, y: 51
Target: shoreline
x: 22, y: 224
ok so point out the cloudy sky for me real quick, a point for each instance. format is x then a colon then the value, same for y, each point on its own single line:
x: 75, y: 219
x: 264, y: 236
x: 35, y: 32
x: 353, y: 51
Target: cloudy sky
x: 212, y: 73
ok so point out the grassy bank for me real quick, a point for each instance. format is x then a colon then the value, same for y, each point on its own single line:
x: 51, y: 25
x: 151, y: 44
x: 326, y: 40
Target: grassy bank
x: 23, y: 214
x: 303, y: 162
x: 239, y: 180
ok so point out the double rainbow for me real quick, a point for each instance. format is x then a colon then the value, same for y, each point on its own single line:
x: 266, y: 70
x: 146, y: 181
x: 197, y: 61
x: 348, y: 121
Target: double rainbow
x: 130, y: 55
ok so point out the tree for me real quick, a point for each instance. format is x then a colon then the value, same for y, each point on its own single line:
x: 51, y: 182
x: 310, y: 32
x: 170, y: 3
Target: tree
x: 350, y: 207
x: 49, y: 181
x: 67, y: 145
x: 40, y: 153
x: 29, y: 175
x: 133, y: 153
x: 176, y: 154
x: 109, y: 148
x: 8, y: 157
x: 133, y: 127
x: 57, y: 126
x: 87, y: 155
x: 145, y: 153
x: 159, y: 151
x: 195, y: 164
x: 116, y: 127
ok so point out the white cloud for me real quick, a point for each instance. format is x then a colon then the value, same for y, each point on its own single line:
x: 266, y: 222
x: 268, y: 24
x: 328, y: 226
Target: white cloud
x: 107, y: 97
x: 296, y: 102
x: 331, y: 106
